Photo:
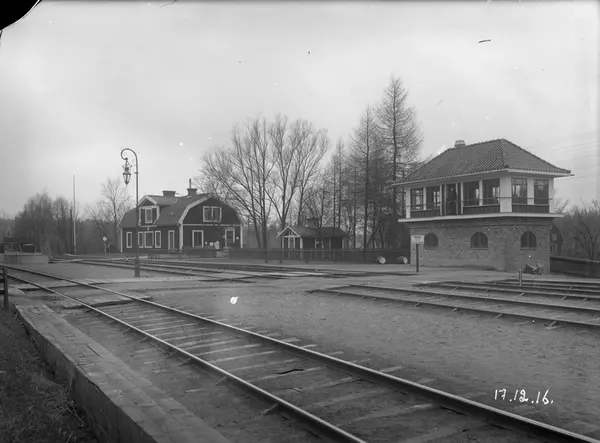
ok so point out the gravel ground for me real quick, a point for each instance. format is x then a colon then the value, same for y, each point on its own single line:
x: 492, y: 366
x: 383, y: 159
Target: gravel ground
x: 463, y: 353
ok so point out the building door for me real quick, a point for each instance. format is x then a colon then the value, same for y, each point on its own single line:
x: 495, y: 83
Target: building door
x: 451, y: 200
x: 229, y: 237
x: 171, y: 241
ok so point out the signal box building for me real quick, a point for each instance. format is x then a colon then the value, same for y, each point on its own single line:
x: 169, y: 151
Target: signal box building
x: 486, y: 204
x: 181, y: 222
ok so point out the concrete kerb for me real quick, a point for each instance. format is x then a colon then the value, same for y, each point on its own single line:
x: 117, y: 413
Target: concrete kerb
x: 107, y: 390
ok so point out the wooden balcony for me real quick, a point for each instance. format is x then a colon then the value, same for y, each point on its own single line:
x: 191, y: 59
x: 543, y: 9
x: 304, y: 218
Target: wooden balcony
x: 488, y: 206
x: 531, y: 209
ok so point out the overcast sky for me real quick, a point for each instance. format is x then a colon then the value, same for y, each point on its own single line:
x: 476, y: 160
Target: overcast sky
x: 79, y: 80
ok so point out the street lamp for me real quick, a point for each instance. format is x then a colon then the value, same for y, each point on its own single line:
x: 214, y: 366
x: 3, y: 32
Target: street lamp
x: 127, y: 177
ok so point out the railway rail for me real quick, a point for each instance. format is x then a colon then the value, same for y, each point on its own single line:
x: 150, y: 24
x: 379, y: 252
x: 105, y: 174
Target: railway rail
x: 548, y: 290
x: 215, y: 274
x: 338, y: 400
x: 584, y: 313
x: 264, y: 270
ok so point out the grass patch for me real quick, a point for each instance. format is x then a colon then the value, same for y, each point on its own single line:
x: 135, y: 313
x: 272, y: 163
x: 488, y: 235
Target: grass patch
x: 34, y: 408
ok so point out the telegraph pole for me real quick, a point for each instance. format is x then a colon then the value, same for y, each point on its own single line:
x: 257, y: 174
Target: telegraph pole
x: 74, y: 220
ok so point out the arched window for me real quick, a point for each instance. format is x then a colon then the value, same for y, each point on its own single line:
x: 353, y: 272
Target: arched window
x: 431, y: 241
x: 479, y: 241
x: 528, y: 240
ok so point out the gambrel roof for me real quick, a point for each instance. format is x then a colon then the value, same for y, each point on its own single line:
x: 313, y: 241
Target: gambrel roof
x: 170, y: 214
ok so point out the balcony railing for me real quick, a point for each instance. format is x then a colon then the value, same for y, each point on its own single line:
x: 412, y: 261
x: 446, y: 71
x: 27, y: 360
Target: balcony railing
x: 491, y: 205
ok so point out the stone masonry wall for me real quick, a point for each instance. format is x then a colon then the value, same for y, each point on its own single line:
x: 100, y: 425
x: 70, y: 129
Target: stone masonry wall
x: 504, y: 251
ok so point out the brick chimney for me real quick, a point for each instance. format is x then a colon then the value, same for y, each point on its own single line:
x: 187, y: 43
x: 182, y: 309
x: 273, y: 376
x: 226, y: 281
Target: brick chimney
x: 459, y: 144
x: 168, y: 193
x: 191, y: 191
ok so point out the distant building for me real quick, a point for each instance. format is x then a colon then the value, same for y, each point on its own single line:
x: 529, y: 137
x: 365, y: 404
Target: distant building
x: 482, y: 204
x: 181, y: 222
x: 302, y: 237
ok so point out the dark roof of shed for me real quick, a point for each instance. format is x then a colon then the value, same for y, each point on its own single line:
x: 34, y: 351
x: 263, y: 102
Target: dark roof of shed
x: 326, y: 232
x: 169, y: 215
x: 492, y: 155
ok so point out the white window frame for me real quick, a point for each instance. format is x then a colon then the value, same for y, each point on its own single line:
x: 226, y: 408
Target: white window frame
x: 146, y: 217
x: 157, y: 239
x: 146, y: 237
x: 204, y: 208
x: 171, y: 244
x: 194, y: 245
x: 229, y: 230
x: 141, y: 240
x: 129, y: 240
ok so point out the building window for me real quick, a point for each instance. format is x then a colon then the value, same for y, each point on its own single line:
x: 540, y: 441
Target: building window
x: 491, y: 191
x: 129, y: 237
x: 519, y: 190
x: 147, y: 215
x: 416, y: 199
x: 157, y: 239
x: 433, y: 197
x: 471, y: 190
x: 197, y: 239
x: 479, y: 241
x: 431, y: 241
x: 140, y: 239
x: 172, y: 240
x: 212, y: 214
x: 528, y: 240
x: 148, y: 239
x: 541, y: 193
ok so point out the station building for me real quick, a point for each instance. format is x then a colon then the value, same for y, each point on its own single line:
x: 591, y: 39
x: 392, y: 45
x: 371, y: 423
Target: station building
x: 181, y: 222
x: 485, y: 204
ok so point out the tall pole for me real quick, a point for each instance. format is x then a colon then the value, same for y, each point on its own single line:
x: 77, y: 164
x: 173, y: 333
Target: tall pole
x: 137, y: 220
x: 137, y: 212
x: 74, y: 220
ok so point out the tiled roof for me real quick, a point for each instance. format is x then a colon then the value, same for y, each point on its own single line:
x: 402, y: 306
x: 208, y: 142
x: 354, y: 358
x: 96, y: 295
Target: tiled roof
x: 326, y: 232
x: 169, y: 215
x: 486, y: 156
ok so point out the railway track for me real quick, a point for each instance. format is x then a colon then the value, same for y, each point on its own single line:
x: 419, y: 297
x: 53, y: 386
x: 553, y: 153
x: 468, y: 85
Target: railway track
x: 585, y: 312
x: 215, y: 274
x: 564, y: 291
x: 340, y: 401
x: 555, y: 282
x: 258, y: 270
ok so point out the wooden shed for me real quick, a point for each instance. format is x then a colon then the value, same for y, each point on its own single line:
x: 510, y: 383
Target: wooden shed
x: 302, y: 237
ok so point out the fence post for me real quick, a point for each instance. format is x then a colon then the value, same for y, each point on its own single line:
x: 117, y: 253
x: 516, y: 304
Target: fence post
x: 5, y: 288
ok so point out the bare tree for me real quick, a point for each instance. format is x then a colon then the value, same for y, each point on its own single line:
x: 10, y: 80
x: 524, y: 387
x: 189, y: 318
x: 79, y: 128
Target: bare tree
x: 35, y: 222
x: 585, y: 228
x: 285, y: 177
x: 364, y: 141
x: 244, y: 173
x: 61, y: 210
x: 559, y: 205
x: 311, y: 151
x: 110, y: 208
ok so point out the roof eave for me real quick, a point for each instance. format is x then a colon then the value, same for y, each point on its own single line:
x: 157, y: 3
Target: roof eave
x: 509, y: 170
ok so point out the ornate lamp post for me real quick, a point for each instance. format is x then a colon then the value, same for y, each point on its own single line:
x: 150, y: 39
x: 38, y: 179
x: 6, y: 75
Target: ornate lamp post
x: 127, y: 177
